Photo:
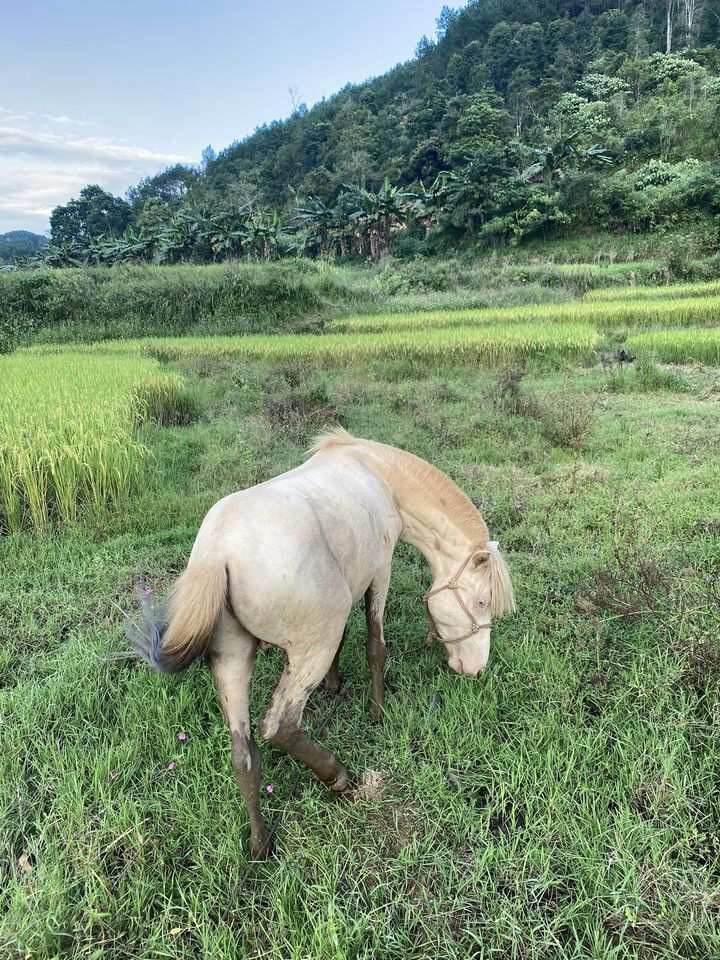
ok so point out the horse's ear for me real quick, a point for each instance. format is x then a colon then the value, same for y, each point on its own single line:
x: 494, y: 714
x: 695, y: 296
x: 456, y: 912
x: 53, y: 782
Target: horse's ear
x: 483, y: 556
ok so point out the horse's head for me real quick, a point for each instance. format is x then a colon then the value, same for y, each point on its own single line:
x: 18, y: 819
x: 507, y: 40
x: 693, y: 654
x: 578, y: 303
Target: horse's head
x: 462, y: 609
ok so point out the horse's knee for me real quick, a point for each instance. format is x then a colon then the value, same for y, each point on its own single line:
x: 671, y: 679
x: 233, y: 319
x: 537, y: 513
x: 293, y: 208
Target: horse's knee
x: 283, y: 731
x: 276, y: 729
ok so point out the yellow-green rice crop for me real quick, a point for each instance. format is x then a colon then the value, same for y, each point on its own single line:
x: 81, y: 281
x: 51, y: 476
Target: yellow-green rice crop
x: 679, y: 346
x: 68, y: 433
x: 611, y: 313
x: 678, y: 291
x: 491, y: 343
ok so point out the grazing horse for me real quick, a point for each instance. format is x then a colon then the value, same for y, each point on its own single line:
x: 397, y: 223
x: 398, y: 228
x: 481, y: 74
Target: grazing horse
x: 283, y: 562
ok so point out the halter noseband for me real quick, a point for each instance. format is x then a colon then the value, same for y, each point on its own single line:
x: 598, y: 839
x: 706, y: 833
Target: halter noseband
x: 452, y: 584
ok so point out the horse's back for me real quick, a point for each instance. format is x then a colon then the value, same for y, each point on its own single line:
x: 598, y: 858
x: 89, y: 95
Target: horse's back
x: 300, y: 545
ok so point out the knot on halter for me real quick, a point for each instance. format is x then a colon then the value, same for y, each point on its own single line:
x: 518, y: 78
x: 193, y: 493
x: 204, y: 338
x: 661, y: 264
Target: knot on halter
x: 452, y: 585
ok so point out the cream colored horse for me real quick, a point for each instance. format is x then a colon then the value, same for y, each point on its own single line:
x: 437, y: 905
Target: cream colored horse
x: 283, y: 562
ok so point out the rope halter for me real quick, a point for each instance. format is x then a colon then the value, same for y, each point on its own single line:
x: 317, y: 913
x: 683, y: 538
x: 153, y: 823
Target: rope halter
x: 452, y: 584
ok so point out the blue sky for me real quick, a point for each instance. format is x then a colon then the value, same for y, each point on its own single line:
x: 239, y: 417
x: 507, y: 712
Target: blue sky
x: 112, y: 90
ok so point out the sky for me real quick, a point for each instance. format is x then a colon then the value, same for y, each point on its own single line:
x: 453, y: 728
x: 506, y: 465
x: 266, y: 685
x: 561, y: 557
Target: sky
x: 110, y: 91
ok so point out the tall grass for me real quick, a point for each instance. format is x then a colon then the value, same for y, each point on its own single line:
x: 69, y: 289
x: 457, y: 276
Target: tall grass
x: 678, y: 346
x: 68, y: 435
x: 605, y: 313
x: 135, y: 301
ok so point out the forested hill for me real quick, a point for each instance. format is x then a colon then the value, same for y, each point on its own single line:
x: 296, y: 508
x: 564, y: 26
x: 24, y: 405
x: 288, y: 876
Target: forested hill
x: 514, y: 56
x: 19, y: 243
x: 520, y: 119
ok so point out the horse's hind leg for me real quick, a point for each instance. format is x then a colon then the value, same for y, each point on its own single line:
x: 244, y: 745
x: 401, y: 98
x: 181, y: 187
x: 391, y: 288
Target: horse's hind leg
x: 232, y: 656
x: 307, y: 665
x: 332, y: 679
x: 375, y: 597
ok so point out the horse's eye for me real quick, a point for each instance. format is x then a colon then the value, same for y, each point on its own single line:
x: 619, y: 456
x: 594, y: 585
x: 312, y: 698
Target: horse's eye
x: 482, y: 603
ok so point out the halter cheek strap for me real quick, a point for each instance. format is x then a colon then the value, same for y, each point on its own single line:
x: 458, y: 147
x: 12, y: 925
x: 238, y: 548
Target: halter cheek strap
x: 452, y: 584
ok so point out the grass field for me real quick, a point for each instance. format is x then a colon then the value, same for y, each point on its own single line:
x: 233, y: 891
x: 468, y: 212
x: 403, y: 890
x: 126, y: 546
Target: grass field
x: 564, y: 805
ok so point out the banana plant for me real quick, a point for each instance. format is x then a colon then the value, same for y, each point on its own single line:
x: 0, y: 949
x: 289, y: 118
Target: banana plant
x: 382, y: 212
x: 552, y: 160
x: 430, y: 201
x: 319, y: 219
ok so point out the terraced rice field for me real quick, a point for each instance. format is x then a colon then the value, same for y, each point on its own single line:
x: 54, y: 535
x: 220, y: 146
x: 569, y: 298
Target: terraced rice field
x: 679, y: 346
x: 69, y: 414
x: 680, y: 291
x: 492, y: 343
x: 604, y: 313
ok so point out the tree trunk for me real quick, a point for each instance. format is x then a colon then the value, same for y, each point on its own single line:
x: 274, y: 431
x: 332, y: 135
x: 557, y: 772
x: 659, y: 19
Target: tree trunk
x: 669, y: 14
x: 692, y: 11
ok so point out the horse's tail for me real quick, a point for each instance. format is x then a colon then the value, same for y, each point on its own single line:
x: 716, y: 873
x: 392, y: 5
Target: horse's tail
x: 170, y: 641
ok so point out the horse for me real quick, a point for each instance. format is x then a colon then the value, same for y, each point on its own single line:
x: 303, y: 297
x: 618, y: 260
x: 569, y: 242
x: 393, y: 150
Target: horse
x: 283, y: 562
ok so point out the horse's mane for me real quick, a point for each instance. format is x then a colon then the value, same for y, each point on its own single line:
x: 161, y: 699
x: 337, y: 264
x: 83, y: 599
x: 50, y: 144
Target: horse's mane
x: 405, y: 468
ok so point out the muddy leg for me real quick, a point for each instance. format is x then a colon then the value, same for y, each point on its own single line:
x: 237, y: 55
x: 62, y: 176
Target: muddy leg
x: 375, y: 597
x: 307, y: 665
x: 232, y: 656
x: 332, y: 680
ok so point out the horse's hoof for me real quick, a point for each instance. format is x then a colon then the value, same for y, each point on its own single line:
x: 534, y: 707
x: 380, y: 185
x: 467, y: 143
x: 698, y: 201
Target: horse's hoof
x: 261, y: 849
x: 332, y: 687
x: 376, y: 710
x: 341, y: 783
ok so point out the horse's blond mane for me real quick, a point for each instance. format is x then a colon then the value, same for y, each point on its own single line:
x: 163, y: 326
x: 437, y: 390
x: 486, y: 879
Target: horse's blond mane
x: 407, y: 469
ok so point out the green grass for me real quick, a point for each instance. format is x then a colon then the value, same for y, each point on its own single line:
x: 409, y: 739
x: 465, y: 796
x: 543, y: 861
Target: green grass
x: 564, y: 805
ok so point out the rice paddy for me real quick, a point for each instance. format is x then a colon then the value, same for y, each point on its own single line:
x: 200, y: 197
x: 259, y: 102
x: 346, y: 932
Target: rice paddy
x: 70, y: 414
x: 679, y: 346
x: 69, y: 433
x: 606, y: 313
x: 679, y: 291
x: 490, y: 343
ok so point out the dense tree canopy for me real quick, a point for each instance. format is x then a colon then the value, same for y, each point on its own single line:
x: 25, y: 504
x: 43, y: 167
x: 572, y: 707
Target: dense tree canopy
x: 523, y: 117
x: 96, y: 213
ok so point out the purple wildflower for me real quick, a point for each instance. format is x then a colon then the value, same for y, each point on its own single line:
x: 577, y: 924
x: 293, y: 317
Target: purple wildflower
x: 171, y: 765
x: 270, y: 787
x: 182, y: 736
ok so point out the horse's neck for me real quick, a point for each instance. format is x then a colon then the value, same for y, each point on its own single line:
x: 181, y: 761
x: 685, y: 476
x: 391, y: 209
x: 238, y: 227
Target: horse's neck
x: 437, y: 517
x: 428, y: 528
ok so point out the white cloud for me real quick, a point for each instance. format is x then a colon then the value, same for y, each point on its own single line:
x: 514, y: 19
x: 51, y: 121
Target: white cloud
x: 68, y: 121
x: 41, y: 168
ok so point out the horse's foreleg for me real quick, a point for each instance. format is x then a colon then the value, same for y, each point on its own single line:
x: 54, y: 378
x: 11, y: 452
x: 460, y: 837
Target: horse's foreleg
x: 307, y: 665
x: 332, y: 679
x: 232, y: 656
x: 375, y: 597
